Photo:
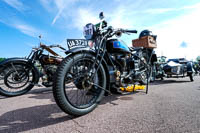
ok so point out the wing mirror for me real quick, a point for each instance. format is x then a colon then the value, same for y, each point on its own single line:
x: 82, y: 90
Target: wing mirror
x: 101, y: 16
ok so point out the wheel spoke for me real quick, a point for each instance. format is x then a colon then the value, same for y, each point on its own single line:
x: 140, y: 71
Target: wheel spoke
x: 82, y: 94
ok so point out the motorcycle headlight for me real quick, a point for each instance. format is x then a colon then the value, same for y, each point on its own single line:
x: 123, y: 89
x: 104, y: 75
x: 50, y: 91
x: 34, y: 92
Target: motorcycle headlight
x: 89, y: 31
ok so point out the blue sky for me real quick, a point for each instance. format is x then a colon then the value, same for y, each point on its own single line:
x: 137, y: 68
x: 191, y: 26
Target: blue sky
x: 176, y: 22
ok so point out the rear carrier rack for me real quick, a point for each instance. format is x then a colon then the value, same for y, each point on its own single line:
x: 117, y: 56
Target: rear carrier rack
x: 145, y: 41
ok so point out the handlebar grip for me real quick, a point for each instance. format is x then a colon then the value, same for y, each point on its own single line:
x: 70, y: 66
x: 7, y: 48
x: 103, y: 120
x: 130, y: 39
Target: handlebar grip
x: 62, y: 48
x: 51, y: 46
x: 131, y: 31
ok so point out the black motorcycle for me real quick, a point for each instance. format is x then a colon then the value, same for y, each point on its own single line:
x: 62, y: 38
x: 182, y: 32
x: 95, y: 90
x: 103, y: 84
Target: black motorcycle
x: 19, y: 75
x: 97, y: 65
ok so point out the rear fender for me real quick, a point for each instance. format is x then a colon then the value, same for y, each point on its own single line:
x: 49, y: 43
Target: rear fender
x: 153, y: 58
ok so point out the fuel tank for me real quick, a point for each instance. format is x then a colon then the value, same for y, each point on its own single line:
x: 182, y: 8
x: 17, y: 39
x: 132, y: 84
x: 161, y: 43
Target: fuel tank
x: 50, y: 60
x: 117, y: 46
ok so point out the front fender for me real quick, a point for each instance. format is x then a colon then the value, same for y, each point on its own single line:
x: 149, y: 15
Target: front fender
x: 10, y: 60
x: 77, y: 50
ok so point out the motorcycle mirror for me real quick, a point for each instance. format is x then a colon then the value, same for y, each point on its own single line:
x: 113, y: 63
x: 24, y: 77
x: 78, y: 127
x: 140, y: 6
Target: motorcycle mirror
x: 40, y: 37
x: 118, y: 34
x: 101, y: 16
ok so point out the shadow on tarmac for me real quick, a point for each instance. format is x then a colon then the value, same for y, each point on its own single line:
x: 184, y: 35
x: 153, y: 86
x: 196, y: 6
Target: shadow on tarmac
x: 26, y: 119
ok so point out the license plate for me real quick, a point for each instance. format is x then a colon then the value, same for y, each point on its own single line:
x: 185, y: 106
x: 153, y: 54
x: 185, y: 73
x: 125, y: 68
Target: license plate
x: 72, y: 43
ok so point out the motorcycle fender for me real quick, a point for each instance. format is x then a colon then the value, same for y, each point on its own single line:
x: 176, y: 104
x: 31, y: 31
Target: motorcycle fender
x: 153, y: 58
x: 8, y: 61
x: 91, y: 51
x: 77, y: 50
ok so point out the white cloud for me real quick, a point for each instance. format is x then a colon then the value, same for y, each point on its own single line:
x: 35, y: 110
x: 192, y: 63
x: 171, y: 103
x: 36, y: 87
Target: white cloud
x: 173, y: 32
x: 17, y: 4
x: 46, y: 4
x: 22, y: 27
x: 84, y: 16
x: 61, y: 6
x: 28, y: 30
x: 170, y: 33
x: 121, y: 18
x: 58, y: 5
x: 118, y: 18
x: 164, y: 10
x: 159, y: 10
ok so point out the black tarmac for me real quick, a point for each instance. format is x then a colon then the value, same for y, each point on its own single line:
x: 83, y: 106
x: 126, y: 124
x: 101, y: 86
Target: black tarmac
x: 172, y: 106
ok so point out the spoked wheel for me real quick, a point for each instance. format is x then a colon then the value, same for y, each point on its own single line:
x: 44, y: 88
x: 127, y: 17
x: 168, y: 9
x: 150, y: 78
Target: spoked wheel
x: 145, y: 73
x: 1, y: 74
x: 16, y: 80
x: 153, y: 73
x: 76, y: 89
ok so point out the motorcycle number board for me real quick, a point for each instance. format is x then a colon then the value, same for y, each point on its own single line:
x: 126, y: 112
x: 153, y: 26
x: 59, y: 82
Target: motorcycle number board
x: 72, y: 43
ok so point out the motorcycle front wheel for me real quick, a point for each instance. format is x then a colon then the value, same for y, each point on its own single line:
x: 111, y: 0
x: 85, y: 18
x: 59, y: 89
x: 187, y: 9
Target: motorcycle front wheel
x: 16, y: 79
x: 76, y: 89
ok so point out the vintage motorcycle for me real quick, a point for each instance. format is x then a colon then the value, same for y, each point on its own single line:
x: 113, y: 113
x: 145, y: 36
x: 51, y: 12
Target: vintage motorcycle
x: 174, y: 68
x: 97, y: 65
x: 19, y: 75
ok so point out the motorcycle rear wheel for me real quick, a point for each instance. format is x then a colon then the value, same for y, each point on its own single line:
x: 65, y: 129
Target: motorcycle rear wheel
x: 145, y: 73
x: 72, y: 88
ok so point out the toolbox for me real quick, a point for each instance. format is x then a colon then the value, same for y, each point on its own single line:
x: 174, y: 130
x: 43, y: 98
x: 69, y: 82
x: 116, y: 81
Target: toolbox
x: 145, y: 41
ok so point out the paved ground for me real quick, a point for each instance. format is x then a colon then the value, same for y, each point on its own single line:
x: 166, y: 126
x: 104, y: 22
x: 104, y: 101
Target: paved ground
x: 172, y: 106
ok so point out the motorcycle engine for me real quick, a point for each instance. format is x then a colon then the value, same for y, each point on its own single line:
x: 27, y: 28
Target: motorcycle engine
x: 126, y: 66
x: 130, y: 67
x: 50, y: 70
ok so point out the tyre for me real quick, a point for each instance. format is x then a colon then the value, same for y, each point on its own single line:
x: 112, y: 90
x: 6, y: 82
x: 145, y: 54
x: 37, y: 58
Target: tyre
x: 144, y: 72
x: 153, y: 73
x: 17, y: 79
x: 75, y: 90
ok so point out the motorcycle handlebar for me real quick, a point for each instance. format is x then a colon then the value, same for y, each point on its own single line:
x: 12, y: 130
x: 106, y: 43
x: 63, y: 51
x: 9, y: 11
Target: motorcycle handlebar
x: 131, y: 31
x: 51, y: 46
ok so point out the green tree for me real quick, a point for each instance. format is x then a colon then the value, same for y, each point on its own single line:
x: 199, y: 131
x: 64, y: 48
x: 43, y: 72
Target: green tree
x: 1, y: 59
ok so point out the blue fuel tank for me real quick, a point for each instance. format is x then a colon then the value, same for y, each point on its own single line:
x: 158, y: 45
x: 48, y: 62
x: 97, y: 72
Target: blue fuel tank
x: 116, y: 46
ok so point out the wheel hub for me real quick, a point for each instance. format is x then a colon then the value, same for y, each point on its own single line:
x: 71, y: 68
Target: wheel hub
x: 86, y: 84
